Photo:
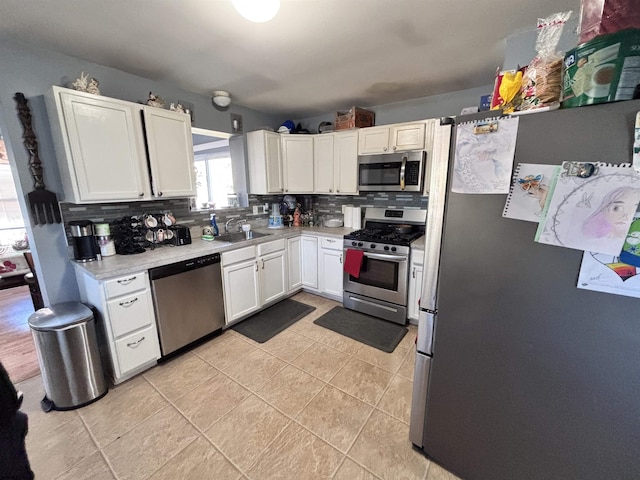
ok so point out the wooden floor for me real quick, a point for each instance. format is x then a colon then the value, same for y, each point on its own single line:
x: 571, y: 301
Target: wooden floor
x: 17, y: 351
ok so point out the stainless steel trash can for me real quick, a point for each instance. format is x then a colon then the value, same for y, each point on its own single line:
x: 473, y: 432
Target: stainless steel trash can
x: 67, y: 348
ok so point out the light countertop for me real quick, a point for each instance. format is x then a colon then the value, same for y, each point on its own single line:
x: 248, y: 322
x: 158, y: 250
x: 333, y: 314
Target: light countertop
x: 117, y: 265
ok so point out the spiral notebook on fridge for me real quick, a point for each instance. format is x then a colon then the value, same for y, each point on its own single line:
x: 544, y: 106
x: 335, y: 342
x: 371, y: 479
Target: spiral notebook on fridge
x: 529, y: 188
x: 484, y: 155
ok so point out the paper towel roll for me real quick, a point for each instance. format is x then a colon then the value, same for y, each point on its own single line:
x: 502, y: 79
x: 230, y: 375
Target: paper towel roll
x: 356, y: 222
x: 348, y: 216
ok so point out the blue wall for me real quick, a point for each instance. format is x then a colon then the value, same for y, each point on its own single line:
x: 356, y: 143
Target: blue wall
x: 33, y: 71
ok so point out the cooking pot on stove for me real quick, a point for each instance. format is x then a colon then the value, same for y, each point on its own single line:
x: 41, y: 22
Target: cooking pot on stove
x: 403, y: 228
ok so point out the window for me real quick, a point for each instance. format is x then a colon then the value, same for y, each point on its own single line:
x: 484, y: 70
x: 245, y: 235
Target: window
x: 11, y: 222
x: 214, y: 170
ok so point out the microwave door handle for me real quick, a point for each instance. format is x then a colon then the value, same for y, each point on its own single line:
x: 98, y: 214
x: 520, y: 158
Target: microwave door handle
x: 402, y: 171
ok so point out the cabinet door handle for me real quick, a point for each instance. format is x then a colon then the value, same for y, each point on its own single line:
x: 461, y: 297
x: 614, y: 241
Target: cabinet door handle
x: 340, y: 259
x: 128, y: 303
x: 337, y: 191
x: 330, y: 190
x: 330, y: 241
x: 414, y: 272
x: 263, y: 263
x: 141, y: 194
x: 126, y: 281
x: 135, y: 344
x: 159, y: 194
x: 385, y: 149
x: 395, y: 148
x: 256, y: 266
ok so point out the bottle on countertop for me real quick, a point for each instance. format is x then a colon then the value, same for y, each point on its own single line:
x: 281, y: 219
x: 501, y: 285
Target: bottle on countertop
x: 214, y: 225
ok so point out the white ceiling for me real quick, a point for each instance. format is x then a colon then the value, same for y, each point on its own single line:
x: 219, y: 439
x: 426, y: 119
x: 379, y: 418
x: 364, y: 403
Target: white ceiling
x: 314, y: 57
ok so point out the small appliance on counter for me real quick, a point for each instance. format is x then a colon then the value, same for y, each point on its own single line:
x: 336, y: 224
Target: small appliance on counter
x: 104, y: 239
x: 85, y: 246
x: 181, y: 235
x: 275, y: 218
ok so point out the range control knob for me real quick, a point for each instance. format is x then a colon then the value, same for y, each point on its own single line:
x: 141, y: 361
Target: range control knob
x: 393, y: 249
x: 353, y: 244
x: 373, y: 245
x: 386, y: 248
x: 359, y: 244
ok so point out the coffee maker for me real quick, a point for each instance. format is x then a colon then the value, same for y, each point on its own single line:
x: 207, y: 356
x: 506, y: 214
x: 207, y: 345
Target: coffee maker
x: 85, y: 246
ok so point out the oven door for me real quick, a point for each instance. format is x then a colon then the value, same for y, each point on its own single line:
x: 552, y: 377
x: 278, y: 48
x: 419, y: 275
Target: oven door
x: 382, y: 276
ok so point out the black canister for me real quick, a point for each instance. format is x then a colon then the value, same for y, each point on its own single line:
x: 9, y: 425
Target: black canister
x: 85, y: 247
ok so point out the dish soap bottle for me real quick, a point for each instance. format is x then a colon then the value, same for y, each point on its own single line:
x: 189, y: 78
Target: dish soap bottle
x: 214, y: 225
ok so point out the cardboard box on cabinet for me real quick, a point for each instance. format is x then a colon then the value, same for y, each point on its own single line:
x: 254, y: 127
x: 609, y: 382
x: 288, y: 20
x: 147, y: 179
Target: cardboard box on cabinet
x: 356, y: 117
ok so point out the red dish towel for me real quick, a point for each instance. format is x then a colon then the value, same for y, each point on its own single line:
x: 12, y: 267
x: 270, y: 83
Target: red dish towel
x: 353, y: 262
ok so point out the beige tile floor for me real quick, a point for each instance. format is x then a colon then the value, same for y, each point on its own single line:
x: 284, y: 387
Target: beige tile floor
x: 307, y: 404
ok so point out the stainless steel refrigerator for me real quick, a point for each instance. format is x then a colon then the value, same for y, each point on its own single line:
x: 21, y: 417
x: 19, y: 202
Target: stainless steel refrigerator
x: 519, y: 374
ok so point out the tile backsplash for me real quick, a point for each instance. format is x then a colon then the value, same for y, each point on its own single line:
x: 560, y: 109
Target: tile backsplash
x: 197, y: 219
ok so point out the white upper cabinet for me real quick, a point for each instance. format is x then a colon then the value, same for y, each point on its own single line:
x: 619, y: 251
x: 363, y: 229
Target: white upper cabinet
x: 323, y: 163
x: 391, y: 138
x: 326, y: 163
x: 336, y: 163
x: 345, y: 162
x: 170, y: 145
x: 265, y: 162
x: 297, y: 161
x: 100, y: 147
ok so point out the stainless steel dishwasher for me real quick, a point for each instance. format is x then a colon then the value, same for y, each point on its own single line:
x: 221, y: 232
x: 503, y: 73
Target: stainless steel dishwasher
x: 188, y: 301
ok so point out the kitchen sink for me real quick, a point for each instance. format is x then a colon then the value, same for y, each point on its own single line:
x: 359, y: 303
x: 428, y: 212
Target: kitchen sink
x: 239, y: 236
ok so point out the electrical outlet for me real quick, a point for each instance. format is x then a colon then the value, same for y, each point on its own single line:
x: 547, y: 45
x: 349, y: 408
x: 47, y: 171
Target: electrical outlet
x: 255, y: 210
x: 265, y: 208
x: 343, y: 209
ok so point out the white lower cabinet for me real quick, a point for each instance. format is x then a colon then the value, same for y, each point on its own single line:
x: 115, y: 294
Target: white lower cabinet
x: 415, y: 285
x: 240, y: 283
x: 253, y: 277
x: 330, y: 267
x: 126, y: 323
x: 309, y: 262
x: 294, y: 263
x: 273, y: 271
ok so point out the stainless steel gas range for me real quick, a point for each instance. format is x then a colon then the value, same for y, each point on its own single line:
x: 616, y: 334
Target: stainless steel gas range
x: 380, y: 287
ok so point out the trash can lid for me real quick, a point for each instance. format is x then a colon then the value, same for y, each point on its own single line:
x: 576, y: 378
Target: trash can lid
x: 60, y: 316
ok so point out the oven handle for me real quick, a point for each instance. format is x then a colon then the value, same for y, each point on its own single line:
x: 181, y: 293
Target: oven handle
x: 393, y: 258
x: 402, y: 171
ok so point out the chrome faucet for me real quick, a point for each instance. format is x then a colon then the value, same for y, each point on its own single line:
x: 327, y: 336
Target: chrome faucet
x: 226, y: 225
x: 238, y: 224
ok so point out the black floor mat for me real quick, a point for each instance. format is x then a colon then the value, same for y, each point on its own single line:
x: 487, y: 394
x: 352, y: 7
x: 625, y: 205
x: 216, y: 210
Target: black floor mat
x: 269, y: 322
x: 371, y: 331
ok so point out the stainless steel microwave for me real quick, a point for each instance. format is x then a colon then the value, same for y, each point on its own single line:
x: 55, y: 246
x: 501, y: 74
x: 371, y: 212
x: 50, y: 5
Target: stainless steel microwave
x: 395, y: 172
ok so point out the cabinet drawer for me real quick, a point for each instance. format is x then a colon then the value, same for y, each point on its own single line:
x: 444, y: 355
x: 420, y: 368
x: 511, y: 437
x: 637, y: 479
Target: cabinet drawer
x: 331, y: 243
x: 417, y: 257
x: 125, y: 284
x: 240, y: 255
x: 137, y: 349
x: 129, y: 313
x: 271, y: 247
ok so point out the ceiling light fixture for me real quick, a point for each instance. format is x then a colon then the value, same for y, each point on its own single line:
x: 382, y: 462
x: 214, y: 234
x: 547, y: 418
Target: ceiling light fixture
x: 221, y: 98
x: 257, y: 11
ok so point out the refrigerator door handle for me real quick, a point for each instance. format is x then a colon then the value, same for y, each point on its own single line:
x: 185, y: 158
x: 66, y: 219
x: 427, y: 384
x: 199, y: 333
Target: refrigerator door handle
x: 426, y: 326
x: 419, y: 400
x: 435, y: 215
